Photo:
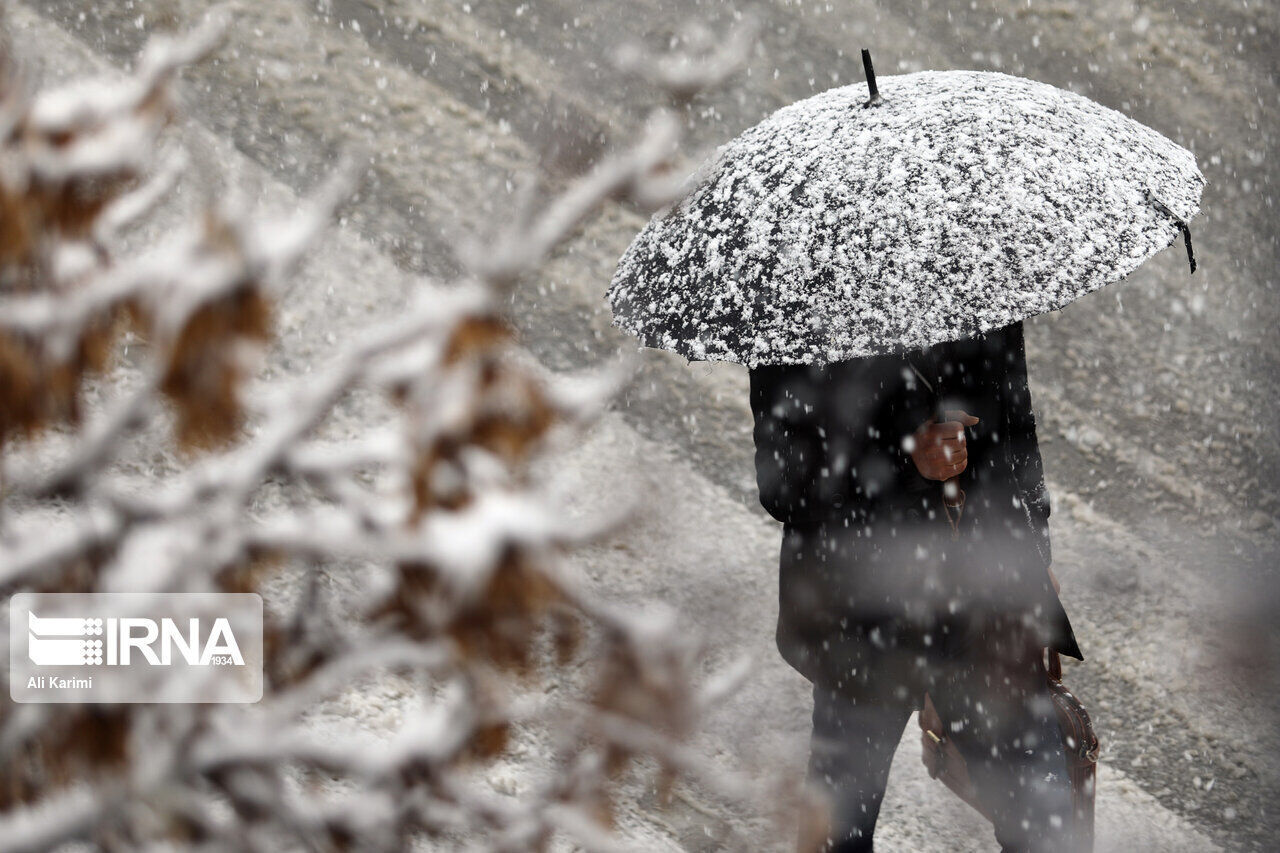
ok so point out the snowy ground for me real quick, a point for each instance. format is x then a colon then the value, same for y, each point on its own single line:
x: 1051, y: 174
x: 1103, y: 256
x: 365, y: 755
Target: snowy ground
x: 1156, y: 397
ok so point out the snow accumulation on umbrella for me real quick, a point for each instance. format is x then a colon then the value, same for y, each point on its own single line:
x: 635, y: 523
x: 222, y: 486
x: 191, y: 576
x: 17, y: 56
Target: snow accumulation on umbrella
x: 964, y: 202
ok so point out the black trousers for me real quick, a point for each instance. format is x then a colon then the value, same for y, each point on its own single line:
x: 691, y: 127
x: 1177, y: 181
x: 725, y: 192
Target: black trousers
x: 992, y: 690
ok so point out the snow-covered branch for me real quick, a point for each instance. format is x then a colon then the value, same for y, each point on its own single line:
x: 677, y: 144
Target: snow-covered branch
x: 468, y: 601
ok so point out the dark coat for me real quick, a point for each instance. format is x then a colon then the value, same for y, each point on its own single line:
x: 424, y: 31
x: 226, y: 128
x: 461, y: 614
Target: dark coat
x: 871, y: 577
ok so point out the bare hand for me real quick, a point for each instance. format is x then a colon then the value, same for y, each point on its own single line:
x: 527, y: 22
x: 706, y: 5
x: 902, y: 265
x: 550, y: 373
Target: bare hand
x: 938, y: 449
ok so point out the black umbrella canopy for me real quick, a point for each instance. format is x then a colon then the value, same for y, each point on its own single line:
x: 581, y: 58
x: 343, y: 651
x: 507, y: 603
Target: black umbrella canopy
x: 959, y: 203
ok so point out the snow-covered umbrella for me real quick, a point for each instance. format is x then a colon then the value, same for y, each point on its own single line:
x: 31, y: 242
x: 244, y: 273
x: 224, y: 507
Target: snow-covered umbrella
x: 947, y: 205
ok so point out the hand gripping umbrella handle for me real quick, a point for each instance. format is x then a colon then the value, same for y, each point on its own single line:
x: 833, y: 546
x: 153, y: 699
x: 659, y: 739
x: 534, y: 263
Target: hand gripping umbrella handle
x: 952, y: 494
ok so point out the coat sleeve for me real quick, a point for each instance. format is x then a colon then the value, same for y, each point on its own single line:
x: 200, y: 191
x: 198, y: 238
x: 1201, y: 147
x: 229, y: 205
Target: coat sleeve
x: 792, y: 449
x: 1023, y: 445
x: 830, y: 438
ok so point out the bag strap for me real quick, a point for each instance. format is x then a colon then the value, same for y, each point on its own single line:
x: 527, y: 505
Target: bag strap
x: 1053, y: 664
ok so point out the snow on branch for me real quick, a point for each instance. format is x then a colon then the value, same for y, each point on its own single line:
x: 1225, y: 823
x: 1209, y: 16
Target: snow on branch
x: 470, y: 604
x: 707, y: 60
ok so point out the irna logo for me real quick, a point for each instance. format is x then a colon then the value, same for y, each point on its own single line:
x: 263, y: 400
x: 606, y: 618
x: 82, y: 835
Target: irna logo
x: 135, y: 647
x: 89, y: 641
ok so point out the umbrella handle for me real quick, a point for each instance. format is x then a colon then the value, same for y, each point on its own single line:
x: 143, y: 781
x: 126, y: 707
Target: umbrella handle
x: 952, y: 494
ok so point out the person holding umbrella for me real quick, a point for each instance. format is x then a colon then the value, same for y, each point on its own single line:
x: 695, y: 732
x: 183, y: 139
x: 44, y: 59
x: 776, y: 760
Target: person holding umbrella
x: 883, y: 600
x: 870, y: 260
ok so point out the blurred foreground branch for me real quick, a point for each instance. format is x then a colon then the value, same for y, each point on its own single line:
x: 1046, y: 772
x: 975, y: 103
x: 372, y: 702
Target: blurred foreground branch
x: 477, y: 604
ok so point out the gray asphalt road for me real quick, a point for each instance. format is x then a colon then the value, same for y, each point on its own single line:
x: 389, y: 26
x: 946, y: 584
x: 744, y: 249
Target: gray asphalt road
x: 1155, y: 397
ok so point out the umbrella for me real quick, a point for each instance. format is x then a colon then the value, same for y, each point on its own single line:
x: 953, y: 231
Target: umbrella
x: 948, y: 204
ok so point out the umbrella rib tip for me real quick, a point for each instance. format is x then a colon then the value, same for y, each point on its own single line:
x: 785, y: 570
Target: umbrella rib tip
x: 1178, y: 221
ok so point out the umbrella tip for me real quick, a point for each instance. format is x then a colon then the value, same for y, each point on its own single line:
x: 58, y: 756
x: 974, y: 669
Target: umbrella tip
x: 875, y: 99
